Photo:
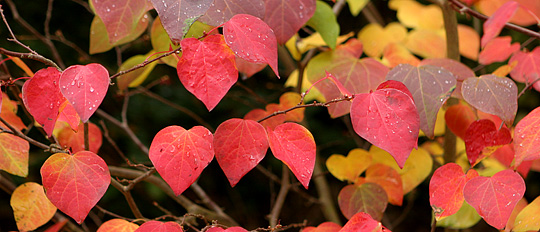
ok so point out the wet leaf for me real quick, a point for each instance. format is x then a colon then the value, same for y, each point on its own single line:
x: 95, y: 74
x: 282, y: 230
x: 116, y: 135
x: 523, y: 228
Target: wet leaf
x: 294, y: 145
x: 221, y: 11
x: 207, y: 69
x: 85, y: 87
x: 178, y: 15
x: 527, y: 138
x: 388, y: 119
x: 482, y: 138
x: 287, y: 17
x: 99, y: 38
x: 495, y: 197
x: 75, y: 183
x: 180, y: 155
x: 369, y: 198
x: 239, y: 146
x: 252, y: 40
x: 31, y: 208
x: 430, y: 86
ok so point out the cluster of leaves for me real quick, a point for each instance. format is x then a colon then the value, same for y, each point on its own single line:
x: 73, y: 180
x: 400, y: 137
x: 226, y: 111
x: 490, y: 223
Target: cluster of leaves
x: 395, y: 94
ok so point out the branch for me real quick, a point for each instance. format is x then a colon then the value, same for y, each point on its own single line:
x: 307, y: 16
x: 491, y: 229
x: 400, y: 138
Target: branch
x: 54, y: 148
x: 125, y: 127
x: 127, y: 194
x: 462, y: 8
x: 280, y: 200
x: 141, y: 65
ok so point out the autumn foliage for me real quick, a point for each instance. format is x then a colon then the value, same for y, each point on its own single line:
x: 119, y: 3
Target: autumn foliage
x: 435, y: 116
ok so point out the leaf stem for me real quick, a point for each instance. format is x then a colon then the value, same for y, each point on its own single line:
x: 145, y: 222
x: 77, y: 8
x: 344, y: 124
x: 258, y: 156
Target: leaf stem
x: 86, y: 137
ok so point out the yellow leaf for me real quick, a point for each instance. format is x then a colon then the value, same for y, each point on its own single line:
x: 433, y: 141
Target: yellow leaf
x: 315, y: 40
x: 413, y: 14
x: 440, y: 124
x: 469, y: 42
x: 505, y: 69
x: 395, y: 54
x: 355, y: 6
x: 291, y: 46
x: 464, y: 218
x: 426, y: 43
x: 375, y: 38
x: 313, y: 94
x: 350, y: 167
x: 416, y: 169
x: 31, y: 207
x: 529, y: 218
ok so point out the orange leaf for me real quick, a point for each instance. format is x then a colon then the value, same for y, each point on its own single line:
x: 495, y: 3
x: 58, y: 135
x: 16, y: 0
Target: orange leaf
x: 117, y: 225
x: 31, y: 207
x: 14, y: 154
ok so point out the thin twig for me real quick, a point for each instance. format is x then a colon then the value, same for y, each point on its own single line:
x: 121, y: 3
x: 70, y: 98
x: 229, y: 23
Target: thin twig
x: 206, y: 199
x: 141, y: 65
x: 46, y: 26
x: 127, y: 194
x: 280, y: 200
x: 462, y: 8
x: 126, y: 129
x: 113, y: 214
x: 14, y: 131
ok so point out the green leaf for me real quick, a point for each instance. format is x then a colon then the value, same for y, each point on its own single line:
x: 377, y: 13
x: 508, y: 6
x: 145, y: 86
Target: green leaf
x: 355, y: 6
x: 324, y: 21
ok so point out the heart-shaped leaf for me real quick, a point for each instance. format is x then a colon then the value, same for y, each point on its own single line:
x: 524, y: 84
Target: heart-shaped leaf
x: 446, y: 189
x: 350, y: 167
x: 75, y: 183
x: 117, y: 224
x: 85, y: 87
x: 388, y: 119
x: 42, y: 97
x: 294, y: 145
x: 239, y: 146
x: 178, y: 15
x: 14, y: 154
x: 287, y: 17
x: 157, y: 226
x: 527, y: 137
x: 180, y: 155
x: 369, y: 198
x: 482, y: 138
x: 431, y: 87
x: 493, y: 95
x: 378, y: 37
x: 361, y: 222
x: 495, y: 197
x: 207, y: 69
x: 251, y: 39
x: 223, y: 10
x: 31, y: 207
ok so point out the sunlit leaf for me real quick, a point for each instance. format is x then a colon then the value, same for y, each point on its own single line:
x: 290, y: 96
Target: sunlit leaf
x: 465, y: 217
x: 135, y: 77
x: 350, y: 167
x: 361, y: 222
x: 376, y: 38
x: 469, y: 42
x: 528, y: 67
x: 75, y: 183
x: 180, y: 155
x: 99, y: 39
x: 389, y: 179
x: 355, y: 6
x: 395, y: 54
x: 31, y: 208
x: 482, y: 138
x: 426, y: 43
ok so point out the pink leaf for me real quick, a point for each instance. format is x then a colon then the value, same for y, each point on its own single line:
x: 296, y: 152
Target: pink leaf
x: 528, y: 67
x: 498, y: 50
x: 178, y: 15
x: 482, y: 138
x: 230, y: 229
x: 85, y: 87
x: 493, y: 95
x: 207, y: 69
x: 157, y: 226
x: 239, y: 146
x: 42, y: 97
x: 75, y: 183
x: 495, y: 23
x: 387, y: 118
x: 446, y: 189
x: 287, y: 17
x: 363, y: 222
x: 252, y: 40
x: 248, y: 68
x: 223, y: 10
x: 527, y: 138
x: 69, y: 115
x: 180, y: 155
x: 294, y: 145
x: 120, y: 16
x: 495, y: 197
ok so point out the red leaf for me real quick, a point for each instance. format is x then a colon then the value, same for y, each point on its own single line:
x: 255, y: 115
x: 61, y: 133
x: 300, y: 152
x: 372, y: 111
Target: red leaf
x: 252, y: 40
x: 482, y: 138
x: 14, y: 154
x: 446, y: 189
x: 178, y: 15
x: 493, y: 95
x: 157, y: 226
x: 223, y: 10
x: 458, y: 118
x: 369, y: 198
x: 75, y: 140
x: 495, y: 23
x: 528, y: 67
x: 294, y: 145
x: 505, y: 155
x: 362, y: 222
x: 287, y: 17
x: 527, y: 138
x: 42, y: 97
x: 387, y: 118
x: 239, y: 146
x: 120, y: 16
x: 431, y: 87
x: 57, y: 226
x: 69, y: 115
x: 498, y: 50
x: 248, y: 68
x: 180, y: 155
x: 230, y: 229
x: 207, y: 69
x: 85, y: 87
x: 75, y: 183
x: 323, y: 227
x: 495, y: 197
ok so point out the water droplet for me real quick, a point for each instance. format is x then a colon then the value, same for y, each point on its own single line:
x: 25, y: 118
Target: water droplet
x: 92, y: 90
